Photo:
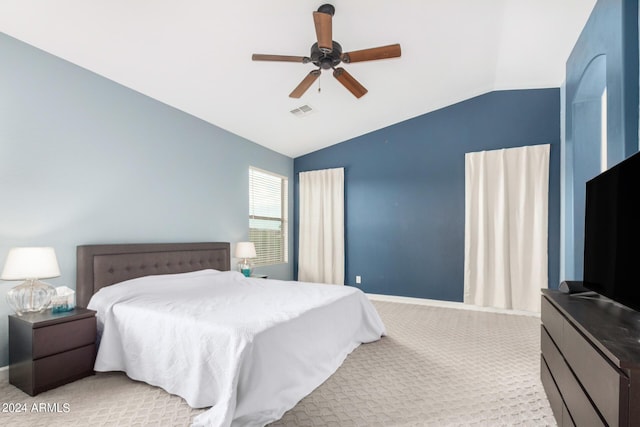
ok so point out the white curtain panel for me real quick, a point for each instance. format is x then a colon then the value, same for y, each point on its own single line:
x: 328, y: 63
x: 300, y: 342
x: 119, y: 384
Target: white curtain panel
x: 506, y: 226
x: 321, y: 234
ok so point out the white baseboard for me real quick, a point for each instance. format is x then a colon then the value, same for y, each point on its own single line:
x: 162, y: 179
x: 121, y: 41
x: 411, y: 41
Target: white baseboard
x: 4, y: 368
x: 448, y: 304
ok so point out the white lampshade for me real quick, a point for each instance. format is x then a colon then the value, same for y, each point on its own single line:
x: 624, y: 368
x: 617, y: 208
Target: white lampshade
x: 245, y: 250
x: 30, y: 263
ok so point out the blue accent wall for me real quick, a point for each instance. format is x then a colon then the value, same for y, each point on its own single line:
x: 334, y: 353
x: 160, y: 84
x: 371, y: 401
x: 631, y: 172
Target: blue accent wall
x: 404, y: 190
x: 604, y: 56
x: 84, y: 160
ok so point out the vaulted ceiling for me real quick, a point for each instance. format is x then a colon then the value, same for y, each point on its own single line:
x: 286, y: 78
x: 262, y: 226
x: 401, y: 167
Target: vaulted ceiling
x: 196, y: 56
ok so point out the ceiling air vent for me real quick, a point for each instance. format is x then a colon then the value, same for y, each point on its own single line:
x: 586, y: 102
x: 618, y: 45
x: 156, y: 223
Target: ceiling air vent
x: 305, y: 110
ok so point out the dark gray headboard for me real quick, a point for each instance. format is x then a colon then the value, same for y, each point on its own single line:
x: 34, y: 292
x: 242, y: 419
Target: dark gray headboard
x: 103, y: 265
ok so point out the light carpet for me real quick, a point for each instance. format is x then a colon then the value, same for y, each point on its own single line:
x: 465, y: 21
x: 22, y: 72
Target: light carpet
x: 437, y: 367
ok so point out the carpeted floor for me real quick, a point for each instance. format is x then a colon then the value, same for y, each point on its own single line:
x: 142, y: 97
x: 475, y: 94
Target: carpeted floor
x: 437, y: 367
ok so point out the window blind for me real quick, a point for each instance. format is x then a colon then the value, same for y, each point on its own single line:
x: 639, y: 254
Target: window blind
x: 268, y: 195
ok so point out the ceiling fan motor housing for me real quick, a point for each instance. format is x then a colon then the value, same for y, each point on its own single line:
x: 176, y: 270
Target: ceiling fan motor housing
x: 326, y: 60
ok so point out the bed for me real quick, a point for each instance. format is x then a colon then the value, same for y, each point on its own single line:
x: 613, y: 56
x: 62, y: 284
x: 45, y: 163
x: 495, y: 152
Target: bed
x: 176, y: 317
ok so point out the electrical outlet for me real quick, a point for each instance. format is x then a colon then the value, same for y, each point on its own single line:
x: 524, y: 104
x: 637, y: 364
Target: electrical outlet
x: 358, y: 280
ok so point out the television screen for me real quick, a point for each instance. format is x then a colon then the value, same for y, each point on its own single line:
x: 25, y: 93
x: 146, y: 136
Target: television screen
x: 612, y: 233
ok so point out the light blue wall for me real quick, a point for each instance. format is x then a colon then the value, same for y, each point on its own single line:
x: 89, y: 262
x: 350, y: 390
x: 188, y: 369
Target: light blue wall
x: 605, y: 55
x: 84, y: 160
x: 404, y: 189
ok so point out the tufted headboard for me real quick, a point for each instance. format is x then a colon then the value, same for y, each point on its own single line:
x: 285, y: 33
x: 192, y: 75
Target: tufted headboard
x: 103, y: 265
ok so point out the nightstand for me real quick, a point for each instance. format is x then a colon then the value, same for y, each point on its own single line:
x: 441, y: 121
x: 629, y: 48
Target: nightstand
x: 259, y: 276
x: 48, y: 350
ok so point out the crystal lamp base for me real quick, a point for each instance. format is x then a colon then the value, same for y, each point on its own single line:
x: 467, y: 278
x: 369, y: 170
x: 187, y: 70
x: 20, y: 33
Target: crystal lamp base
x: 245, y: 267
x: 31, y: 296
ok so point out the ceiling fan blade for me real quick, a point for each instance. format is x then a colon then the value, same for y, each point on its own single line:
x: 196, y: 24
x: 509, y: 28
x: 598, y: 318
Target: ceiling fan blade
x: 305, y: 84
x: 323, y: 23
x: 349, y: 82
x: 382, y: 52
x: 281, y: 58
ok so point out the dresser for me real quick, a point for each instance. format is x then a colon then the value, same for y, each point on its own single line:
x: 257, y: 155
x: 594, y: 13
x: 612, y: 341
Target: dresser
x: 47, y: 349
x: 590, y: 363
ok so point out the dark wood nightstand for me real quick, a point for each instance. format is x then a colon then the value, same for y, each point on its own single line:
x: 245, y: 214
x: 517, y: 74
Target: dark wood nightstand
x: 48, y: 350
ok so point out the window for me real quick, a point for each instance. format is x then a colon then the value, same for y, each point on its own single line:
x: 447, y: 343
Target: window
x: 268, y: 216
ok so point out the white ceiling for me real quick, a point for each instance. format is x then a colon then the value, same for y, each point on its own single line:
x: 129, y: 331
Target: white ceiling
x: 196, y: 56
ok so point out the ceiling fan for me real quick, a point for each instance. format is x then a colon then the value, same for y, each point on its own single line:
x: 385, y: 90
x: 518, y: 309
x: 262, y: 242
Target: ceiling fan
x: 327, y: 53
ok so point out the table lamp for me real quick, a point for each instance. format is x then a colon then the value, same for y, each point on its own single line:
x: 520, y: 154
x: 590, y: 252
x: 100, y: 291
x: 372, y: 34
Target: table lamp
x: 245, y: 250
x: 30, y: 264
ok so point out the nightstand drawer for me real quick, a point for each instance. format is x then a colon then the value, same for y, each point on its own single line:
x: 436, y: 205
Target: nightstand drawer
x: 65, y: 336
x: 52, y: 371
x: 50, y: 349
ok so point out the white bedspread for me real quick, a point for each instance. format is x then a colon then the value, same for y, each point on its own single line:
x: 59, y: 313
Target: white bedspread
x: 249, y: 348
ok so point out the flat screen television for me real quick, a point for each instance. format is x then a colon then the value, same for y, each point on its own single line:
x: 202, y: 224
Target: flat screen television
x: 612, y: 233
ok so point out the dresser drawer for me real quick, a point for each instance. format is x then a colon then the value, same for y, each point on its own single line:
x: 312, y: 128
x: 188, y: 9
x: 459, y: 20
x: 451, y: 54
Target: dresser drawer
x: 553, y: 321
x: 578, y: 404
x: 65, y: 336
x: 606, y: 386
x: 566, y: 418
x: 551, y: 389
x: 52, y: 371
